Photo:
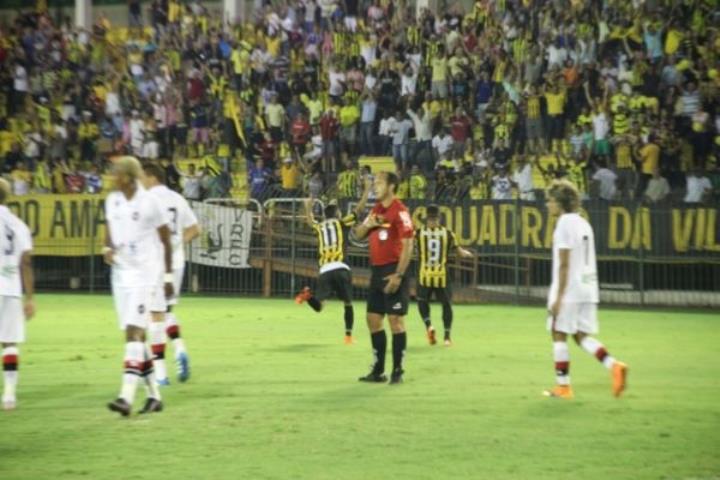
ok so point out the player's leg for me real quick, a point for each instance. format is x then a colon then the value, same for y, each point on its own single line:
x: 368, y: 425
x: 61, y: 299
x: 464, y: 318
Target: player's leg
x: 12, y: 332
x: 587, y: 327
x: 378, y: 339
x: 444, y: 295
x: 560, y: 327
x: 172, y: 328
x: 423, y: 298
x: 156, y: 330
x: 343, y: 289
x: 397, y: 306
x: 315, y: 300
x: 132, y: 305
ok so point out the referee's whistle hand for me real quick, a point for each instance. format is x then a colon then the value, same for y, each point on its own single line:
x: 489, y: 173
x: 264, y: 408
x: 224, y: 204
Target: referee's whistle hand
x: 393, y: 283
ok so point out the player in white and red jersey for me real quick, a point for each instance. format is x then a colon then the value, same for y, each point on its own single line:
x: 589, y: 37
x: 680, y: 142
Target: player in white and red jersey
x: 183, y: 229
x: 574, y: 292
x: 16, y: 279
x: 137, y: 245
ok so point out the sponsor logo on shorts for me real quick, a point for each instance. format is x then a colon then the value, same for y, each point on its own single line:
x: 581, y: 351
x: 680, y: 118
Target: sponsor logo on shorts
x: 397, y: 306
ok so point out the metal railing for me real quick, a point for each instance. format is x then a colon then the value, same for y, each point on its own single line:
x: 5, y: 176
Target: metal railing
x: 646, y: 256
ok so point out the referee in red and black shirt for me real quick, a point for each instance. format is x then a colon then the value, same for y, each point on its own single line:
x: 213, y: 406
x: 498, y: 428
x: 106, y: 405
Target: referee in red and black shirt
x: 390, y: 231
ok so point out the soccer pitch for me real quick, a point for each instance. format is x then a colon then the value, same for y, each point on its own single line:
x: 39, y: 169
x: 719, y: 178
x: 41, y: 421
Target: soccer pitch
x: 274, y: 394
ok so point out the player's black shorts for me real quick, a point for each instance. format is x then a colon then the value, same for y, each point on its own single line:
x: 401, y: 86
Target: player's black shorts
x: 338, y: 281
x: 442, y: 294
x: 382, y: 303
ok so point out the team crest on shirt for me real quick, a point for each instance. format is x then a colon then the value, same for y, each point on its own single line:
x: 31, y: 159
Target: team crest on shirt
x: 141, y: 309
x: 383, y: 235
x: 136, y: 215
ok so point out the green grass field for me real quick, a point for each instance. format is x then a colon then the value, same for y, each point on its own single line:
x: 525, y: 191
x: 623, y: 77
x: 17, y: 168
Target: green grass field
x: 274, y: 395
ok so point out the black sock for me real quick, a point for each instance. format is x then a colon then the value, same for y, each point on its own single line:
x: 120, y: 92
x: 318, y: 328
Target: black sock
x: 447, y: 318
x: 349, y: 319
x: 379, y: 344
x: 398, y: 345
x: 424, y: 308
x: 315, y: 304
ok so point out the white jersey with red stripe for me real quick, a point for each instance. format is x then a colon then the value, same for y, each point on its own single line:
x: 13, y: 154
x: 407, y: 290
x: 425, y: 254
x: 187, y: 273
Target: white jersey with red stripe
x: 15, y: 240
x: 138, y: 257
x: 180, y: 217
x: 574, y: 233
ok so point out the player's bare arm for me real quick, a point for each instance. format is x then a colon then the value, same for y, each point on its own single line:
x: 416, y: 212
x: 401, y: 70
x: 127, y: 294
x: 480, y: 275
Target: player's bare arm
x: 372, y: 221
x: 164, y: 233
x: 394, y: 280
x: 367, y: 185
x: 28, y: 280
x: 191, y: 233
x: 464, y: 253
x: 562, y: 280
x: 107, y: 250
x: 309, y: 215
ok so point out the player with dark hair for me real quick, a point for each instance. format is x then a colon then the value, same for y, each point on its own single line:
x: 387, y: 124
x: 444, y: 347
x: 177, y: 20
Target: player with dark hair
x: 574, y: 292
x: 184, y: 228
x: 16, y: 293
x: 390, y: 232
x: 335, y: 275
x: 434, y: 243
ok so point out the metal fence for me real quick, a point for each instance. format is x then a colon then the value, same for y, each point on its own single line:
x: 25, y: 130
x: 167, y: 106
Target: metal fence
x: 666, y: 256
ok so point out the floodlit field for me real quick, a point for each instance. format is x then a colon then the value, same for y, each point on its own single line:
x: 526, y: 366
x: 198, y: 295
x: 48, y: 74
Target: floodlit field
x: 274, y: 395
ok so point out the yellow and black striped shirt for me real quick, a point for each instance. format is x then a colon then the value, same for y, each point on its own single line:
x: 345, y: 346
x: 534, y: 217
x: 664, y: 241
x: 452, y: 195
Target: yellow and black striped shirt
x: 331, y: 238
x: 434, y: 245
x: 347, y: 184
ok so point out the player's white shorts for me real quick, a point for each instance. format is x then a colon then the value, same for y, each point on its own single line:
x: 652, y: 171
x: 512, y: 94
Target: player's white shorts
x: 159, y: 303
x: 575, y: 317
x: 132, y: 305
x: 12, y: 320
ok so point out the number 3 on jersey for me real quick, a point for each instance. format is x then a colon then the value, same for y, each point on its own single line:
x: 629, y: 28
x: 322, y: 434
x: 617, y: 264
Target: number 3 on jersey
x: 10, y: 246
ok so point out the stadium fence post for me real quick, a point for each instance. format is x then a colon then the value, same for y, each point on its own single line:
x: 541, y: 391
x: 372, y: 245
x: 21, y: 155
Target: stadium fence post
x: 293, y: 244
x: 641, y: 256
x: 91, y: 256
x: 516, y: 235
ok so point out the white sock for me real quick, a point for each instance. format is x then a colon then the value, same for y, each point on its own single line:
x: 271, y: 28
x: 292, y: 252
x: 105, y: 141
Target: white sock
x: 149, y: 374
x: 173, y: 330
x: 593, y: 347
x: 561, y: 355
x: 157, y: 340
x: 10, y: 356
x: 134, y: 355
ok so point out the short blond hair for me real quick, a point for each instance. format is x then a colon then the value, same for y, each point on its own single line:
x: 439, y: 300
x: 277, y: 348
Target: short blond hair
x: 566, y: 194
x: 5, y: 191
x: 128, y: 165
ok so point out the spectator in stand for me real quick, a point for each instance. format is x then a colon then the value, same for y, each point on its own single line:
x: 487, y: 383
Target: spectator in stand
x: 502, y: 185
x: 349, y: 117
x: 649, y: 156
x: 400, y: 130
x: 523, y: 178
x: 367, y: 123
x: 329, y: 127
x: 21, y: 179
x: 93, y: 180
x: 606, y: 179
x: 300, y: 133
x: 418, y: 184
x: 698, y: 188
x: 191, y: 186
x: 657, y: 190
x: 260, y: 177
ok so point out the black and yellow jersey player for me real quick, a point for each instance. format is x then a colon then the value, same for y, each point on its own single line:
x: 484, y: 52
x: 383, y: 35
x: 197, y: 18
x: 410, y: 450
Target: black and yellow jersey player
x: 335, y: 276
x: 434, y: 245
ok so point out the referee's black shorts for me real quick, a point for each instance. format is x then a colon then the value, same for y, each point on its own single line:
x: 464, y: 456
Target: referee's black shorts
x: 338, y: 281
x: 387, y: 304
x: 442, y: 294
